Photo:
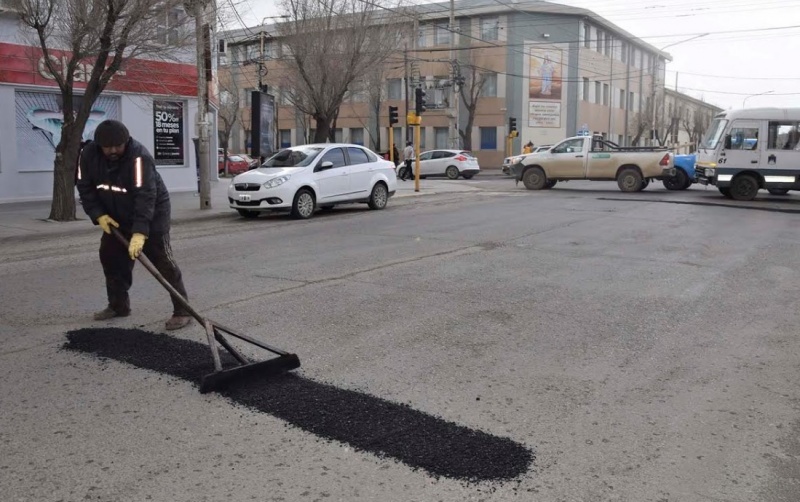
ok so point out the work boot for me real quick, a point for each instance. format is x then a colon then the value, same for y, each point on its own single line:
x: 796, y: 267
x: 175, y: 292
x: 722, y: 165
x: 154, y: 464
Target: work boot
x: 109, y: 313
x: 177, y: 322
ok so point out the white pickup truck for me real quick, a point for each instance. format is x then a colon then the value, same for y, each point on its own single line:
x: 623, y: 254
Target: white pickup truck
x: 593, y: 158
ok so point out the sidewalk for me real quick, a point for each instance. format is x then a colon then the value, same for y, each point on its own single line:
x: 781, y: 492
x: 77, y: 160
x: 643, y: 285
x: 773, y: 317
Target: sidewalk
x: 29, y: 219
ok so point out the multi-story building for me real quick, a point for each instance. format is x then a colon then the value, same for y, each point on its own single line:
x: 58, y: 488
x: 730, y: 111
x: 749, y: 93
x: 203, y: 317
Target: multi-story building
x: 685, y: 120
x: 557, y: 70
x: 155, y: 98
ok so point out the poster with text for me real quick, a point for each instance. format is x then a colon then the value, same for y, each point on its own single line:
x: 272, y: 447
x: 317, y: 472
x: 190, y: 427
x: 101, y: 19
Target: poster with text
x: 544, y: 114
x: 39, y: 119
x: 168, y: 128
x: 545, y: 73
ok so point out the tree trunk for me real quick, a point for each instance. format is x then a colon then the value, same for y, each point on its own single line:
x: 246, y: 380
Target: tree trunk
x: 466, y: 134
x: 62, y: 207
x: 323, y: 129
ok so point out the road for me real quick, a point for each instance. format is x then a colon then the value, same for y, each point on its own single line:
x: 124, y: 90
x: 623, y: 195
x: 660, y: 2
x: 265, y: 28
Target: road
x: 641, y: 347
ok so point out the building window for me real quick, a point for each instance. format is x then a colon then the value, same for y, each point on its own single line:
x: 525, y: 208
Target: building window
x: 423, y: 131
x: 490, y: 26
x: 422, y: 39
x: 488, y: 138
x: 585, y: 89
x: 587, y: 36
x: 605, y: 94
x: 489, y: 85
x: 286, y: 138
x: 167, y: 29
x: 624, y: 52
x: 357, y: 136
x: 441, y: 34
x: 630, y: 101
x: 395, y: 88
x: 609, y: 43
x: 622, y: 99
x: 269, y: 49
x: 337, y: 135
x: 398, y: 137
x: 597, y: 92
x: 600, y: 41
x: 285, y: 97
x: 440, y: 137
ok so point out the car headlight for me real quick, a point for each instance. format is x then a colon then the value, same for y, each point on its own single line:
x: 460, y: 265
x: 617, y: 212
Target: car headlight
x: 276, y: 182
x: 710, y: 172
x: 517, y: 160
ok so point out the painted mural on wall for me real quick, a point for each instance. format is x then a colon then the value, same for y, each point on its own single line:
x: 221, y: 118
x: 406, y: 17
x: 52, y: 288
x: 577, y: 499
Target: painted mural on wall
x: 39, y: 117
x: 545, y: 86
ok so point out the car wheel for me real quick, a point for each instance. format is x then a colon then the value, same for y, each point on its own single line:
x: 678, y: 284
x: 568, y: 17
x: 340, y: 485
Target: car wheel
x: 744, y: 187
x: 467, y: 176
x: 778, y: 191
x: 245, y: 213
x: 678, y: 182
x: 379, y: 196
x: 629, y: 180
x: 303, y: 205
x: 534, y: 178
x: 451, y: 172
x: 550, y: 184
x: 726, y: 191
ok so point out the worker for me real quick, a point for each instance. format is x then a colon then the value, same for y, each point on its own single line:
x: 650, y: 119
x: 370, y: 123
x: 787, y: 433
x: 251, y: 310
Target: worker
x: 408, y: 157
x: 528, y: 148
x: 119, y: 187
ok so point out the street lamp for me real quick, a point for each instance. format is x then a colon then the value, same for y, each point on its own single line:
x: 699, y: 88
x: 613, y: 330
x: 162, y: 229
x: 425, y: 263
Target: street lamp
x: 754, y: 95
x: 262, y: 71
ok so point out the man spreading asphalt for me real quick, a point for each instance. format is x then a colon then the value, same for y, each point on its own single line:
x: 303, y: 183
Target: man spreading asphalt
x: 120, y: 187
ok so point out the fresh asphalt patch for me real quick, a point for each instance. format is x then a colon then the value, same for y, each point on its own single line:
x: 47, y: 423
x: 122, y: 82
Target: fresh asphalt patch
x: 366, y: 423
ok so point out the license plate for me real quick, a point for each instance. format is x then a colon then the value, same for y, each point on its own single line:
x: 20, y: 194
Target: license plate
x: 244, y: 197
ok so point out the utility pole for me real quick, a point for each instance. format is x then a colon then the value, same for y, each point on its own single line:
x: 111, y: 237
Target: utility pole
x: 198, y: 7
x: 454, y: 99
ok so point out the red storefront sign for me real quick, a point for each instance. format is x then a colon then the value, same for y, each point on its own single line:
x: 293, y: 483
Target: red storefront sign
x: 22, y: 64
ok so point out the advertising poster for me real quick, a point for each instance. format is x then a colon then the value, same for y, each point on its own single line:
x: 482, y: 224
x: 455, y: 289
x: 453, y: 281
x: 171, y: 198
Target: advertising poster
x: 545, y: 86
x: 168, y: 133
x: 263, y: 120
x: 39, y: 118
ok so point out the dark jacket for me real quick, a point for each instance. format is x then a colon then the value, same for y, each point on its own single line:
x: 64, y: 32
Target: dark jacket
x: 130, y: 190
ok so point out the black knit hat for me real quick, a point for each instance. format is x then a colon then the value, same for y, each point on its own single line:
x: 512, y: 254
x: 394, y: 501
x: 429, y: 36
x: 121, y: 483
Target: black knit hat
x: 111, y: 133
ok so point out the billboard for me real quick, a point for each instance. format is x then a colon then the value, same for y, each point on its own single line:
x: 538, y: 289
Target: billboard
x: 262, y: 119
x: 168, y: 133
x: 545, y: 86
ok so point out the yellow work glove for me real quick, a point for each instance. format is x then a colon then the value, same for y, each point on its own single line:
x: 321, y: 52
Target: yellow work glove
x: 106, y: 222
x: 137, y: 243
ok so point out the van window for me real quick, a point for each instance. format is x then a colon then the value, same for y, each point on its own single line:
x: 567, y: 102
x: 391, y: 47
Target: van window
x: 784, y: 135
x: 743, y: 138
x: 714, y: 134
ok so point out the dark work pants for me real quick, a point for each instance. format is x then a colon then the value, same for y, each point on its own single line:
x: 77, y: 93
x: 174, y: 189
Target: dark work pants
x: 409, y: 168
x: 118, y: 269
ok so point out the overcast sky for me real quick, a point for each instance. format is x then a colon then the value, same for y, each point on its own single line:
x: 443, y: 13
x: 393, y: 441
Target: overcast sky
x: 724, y: 67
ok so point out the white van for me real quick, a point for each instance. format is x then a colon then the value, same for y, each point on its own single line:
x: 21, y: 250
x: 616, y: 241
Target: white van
x: 747, y: 150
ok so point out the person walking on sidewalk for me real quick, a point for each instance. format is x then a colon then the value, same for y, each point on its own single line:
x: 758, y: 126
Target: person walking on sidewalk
x: 408, y: 157
x: 120, y: 187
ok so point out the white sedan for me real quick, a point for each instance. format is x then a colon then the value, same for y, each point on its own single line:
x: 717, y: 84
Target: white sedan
x: 450, y: 163
x: 303, y: 178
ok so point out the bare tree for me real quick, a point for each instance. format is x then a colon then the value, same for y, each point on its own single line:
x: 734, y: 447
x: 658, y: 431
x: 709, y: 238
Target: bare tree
x: 470, y: 91
x: 328, y: 45
x: 98, y: 34
x: 695, y: 125
x: 229, y: 112
x: 647, y: 121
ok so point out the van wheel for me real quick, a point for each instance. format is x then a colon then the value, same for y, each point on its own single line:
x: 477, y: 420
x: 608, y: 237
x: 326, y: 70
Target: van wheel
x: 744, y: 187
x: 244, y: 213
x: 629, y: 180
x: 534, y: 179
x: 726, y: 191
x: 303, y: 205
x: 778, y: 191
x: 451, y: 172
x: 678, y: 182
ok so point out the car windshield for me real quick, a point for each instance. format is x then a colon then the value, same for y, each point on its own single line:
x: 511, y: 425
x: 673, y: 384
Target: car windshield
x: 293, y: 157
x: 714, y: 134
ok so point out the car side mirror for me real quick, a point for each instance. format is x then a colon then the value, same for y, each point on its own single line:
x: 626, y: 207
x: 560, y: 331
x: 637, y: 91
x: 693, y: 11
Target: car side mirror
x: 727, y: 143
x: 325, y: 165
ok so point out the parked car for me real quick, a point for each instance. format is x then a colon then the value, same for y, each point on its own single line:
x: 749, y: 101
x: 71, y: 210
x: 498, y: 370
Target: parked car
x: 252, y: 163
x: 684, y: 173
x: 507, y: 160
x: 303, y: 178
x: 450, y: 163
x: 236, y: 164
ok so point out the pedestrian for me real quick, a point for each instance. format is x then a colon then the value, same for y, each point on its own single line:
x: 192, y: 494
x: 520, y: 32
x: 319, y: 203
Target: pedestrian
x: 120, y: 187
x: 395, y: 155
x: 528, y: 148
x: 408, y: 157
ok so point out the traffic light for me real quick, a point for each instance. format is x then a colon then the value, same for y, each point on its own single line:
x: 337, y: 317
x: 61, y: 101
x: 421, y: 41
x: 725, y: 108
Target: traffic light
x: 393, y: 116
x: 419, y: 95
x: 512, y: 127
